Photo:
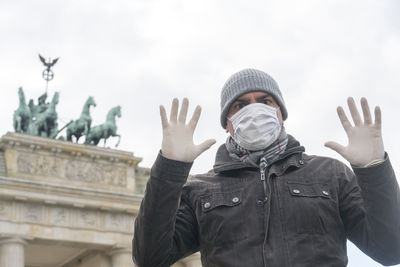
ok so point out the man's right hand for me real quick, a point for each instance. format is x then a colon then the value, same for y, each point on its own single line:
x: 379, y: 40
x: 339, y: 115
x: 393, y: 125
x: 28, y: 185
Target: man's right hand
x: 177, y: 143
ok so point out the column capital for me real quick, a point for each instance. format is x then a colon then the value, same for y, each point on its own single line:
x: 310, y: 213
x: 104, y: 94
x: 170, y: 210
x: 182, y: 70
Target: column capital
x: 119, y: 249
x: 121, y: 255
x: 14, y: 239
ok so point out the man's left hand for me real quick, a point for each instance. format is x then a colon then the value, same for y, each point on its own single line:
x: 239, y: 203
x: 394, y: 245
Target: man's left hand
x: 365, y: 144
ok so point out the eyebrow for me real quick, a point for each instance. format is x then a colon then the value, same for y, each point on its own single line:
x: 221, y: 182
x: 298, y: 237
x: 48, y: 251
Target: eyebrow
x: 245, y: 99
x: 264, y: 96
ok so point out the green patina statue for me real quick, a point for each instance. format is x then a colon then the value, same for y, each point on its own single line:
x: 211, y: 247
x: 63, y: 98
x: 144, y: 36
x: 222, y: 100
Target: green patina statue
x: 45, y: 124
x: 81, y: 126
x: 22, y: 115
x: 40, y: 107
x: 41, y: 120
x: 105, y: 130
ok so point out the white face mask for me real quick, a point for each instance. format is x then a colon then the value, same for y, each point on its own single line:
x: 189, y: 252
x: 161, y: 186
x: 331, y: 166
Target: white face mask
x: 256, y: 126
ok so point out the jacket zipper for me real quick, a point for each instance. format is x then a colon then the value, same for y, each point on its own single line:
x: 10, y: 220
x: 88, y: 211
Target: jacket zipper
x: 263, y: 167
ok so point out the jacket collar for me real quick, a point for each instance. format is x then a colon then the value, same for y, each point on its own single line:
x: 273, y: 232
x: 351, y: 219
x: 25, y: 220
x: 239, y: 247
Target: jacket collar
x: 291, y: 157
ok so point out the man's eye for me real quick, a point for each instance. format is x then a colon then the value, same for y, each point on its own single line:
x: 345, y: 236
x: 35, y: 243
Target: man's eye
x: 239, y: 106
x: 267, y: 102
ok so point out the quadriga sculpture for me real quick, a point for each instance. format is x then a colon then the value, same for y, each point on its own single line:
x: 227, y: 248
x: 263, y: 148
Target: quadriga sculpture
x: 105, y: 130
x: 81, y: 126
x: 22, y: 115
x: 46, y: 123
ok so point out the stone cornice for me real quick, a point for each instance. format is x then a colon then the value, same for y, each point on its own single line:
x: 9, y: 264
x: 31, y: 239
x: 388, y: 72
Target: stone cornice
x: 67, y: 164
x: 10, y: 140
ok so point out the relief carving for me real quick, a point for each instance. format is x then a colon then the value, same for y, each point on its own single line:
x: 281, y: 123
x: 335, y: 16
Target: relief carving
x: 59, y: 216
x: 91, y: 172
x: 5, y: 209
x: 38, y: 164
x: 96, y: 174
x: 121, y: 177
x: 87, y: 218
x: 25, y: 163
x: 32, y: 213
x: 114, y: 176
x: 115, y: 221
x: 75, y: 170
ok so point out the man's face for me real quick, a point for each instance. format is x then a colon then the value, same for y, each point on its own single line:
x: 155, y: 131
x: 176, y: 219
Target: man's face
x: 251, y: 98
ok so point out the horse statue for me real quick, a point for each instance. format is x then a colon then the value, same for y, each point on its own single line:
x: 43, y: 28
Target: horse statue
x: 81, y: 126
x: 22, y: 115
x: 46, y: 123
x: 105, y: 130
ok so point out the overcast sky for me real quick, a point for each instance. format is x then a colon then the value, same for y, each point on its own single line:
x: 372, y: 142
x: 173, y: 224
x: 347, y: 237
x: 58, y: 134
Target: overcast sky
x: 142, y: 53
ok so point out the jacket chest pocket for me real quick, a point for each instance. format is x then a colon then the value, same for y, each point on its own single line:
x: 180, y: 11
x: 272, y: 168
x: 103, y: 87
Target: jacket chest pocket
x: 221, y: 217
x: 309, y: 207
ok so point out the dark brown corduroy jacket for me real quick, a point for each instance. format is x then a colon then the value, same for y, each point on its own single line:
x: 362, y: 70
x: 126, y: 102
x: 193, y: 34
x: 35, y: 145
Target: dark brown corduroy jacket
x: 301, y: 214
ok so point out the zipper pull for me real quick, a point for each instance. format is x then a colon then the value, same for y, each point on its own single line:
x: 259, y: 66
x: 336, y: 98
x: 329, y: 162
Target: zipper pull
x: 263, y: 166
x: 262, y: 175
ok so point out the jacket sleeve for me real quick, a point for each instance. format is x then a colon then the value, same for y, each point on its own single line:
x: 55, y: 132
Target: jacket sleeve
x: 370, y: 209
x: 166, y: 227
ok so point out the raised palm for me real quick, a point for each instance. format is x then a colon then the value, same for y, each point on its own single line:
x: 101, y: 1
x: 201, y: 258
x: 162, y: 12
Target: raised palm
x: 177, y: 143
x: 365, y: 143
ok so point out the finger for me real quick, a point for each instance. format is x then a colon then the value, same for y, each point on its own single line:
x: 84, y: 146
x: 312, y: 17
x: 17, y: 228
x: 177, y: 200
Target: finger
x: 195, y: 117
x: 353, y: 111
x: 205, y: 145
x: 174, y: 110
x: 184, y: 110
x: 366, y: 111
x: 378, y: 117
x: 344, y: 120
x: 336, y: 147
x: 163, y: 114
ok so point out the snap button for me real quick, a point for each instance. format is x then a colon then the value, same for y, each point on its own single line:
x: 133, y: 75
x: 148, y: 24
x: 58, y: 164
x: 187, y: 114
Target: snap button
x: 207, y: 205
x: 235, y: 200
x: 325, y: 193
x: 301, y: 162
x: 296, y: 191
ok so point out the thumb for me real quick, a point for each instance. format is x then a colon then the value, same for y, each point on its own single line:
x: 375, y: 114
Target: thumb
x: 335, y: 146
x: 205, y: 145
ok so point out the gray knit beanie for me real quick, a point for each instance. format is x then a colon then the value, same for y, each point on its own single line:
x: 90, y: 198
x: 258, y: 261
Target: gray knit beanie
x: 249, y: 80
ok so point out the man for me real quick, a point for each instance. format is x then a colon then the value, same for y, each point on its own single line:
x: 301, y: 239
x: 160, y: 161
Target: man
x: 266, y: 202
x: 40, y: 107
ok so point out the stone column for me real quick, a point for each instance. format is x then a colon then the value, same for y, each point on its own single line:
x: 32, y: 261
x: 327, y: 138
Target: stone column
x: 121, y: 257
x: 12, y: 252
